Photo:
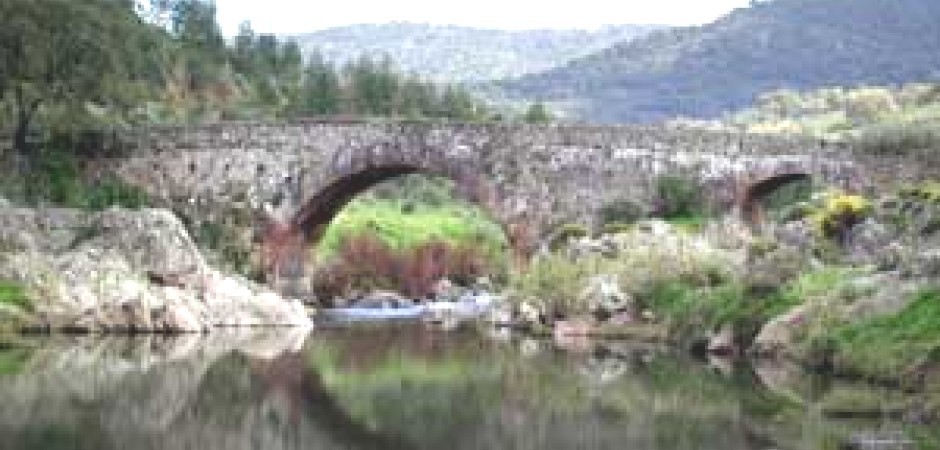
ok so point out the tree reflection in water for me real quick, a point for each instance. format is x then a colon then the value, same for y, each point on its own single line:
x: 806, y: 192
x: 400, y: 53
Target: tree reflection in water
x: 397, y: 387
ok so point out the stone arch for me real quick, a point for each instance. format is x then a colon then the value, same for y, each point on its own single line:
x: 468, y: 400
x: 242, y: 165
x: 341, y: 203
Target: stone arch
x: 285, y: 243
x: 752, y: 210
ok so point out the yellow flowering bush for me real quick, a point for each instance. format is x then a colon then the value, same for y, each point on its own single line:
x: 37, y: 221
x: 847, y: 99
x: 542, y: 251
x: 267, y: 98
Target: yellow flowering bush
x: 839, y: 212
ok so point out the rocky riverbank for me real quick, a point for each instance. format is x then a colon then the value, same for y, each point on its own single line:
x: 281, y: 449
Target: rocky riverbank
x: 123, y: 271
x: 842, y: 284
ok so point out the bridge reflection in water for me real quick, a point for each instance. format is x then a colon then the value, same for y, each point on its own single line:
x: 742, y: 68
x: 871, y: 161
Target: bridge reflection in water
x: 396, y: 387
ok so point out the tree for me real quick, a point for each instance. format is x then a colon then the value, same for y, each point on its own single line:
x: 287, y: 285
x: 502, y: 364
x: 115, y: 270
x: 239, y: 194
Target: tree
x: 537, y: 113
x: 243, y: 50
x: 200, y: 40
x: 322, y: 93
x: 67, y: 54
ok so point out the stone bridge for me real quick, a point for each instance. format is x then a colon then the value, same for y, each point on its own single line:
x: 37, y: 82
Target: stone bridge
x: 293, y: 178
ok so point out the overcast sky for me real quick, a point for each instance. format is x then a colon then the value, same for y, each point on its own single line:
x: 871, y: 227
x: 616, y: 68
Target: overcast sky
x: 296, y: 16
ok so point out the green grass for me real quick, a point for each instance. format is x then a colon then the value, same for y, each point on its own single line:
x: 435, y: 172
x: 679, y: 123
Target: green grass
x: 13, y: 294
x: 402, y: 225
x: 888, y: 346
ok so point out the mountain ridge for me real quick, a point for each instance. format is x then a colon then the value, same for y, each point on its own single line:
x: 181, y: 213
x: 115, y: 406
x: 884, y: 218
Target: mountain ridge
x: 704, y: 71
x: 463, y: 54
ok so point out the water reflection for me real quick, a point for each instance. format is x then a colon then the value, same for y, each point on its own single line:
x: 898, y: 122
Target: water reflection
x: 397, y: 387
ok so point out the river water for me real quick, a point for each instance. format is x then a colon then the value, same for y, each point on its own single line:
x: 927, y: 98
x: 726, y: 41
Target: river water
x: 407, y: 387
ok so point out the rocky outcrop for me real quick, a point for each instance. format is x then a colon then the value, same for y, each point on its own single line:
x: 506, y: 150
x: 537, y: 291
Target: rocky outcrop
x: 127, y: 271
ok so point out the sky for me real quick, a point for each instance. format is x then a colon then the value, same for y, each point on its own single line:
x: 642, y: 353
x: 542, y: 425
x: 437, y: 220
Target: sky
x: 298, y: 16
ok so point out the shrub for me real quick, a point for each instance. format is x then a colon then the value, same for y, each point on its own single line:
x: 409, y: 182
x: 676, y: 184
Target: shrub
x: 364, y: 262
x: 839, y: 213
x: 555, y: 282
x: 678, y: 197
x: 55, y: 179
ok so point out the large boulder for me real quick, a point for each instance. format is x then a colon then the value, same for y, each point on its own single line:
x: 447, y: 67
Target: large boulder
x: 153, y: 242
x: 127, y: 271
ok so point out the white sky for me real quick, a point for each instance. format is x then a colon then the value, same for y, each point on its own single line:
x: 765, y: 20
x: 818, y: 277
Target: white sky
x: 297, y: 16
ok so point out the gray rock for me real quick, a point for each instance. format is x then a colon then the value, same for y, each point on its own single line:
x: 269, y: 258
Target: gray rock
x: 866, y: 245
x: 604, y: 297
x: 722, y: 343
x: 925, y: 263
x: 777, y: 337
x: 101, y: 281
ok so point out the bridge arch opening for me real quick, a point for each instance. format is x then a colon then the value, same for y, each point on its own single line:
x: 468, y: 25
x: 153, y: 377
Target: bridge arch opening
x: 370, y: 223
x: 770, y: 197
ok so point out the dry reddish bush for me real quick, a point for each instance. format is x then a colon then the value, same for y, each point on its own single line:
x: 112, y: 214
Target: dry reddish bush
x: 365, y: 263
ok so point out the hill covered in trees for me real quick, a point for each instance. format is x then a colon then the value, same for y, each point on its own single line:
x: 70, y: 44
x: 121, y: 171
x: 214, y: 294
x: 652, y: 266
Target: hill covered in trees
x: 707, y: 70
x: 452, y: 53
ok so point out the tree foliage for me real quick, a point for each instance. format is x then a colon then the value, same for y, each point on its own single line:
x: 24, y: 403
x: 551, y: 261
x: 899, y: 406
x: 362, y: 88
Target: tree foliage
x: 67, y: 64
x: 59, y: 57
x: 538, y: 113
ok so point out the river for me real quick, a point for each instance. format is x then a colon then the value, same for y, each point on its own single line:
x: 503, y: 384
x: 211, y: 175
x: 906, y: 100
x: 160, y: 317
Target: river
x: 408, y: 387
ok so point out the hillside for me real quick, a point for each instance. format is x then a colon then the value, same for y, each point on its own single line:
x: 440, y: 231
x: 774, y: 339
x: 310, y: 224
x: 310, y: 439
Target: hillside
x: 880, y: 119
x: 707, y: 70
x: 451, y: 53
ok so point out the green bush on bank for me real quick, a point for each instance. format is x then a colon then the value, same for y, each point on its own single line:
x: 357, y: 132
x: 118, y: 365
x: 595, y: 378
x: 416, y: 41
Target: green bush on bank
x: 693, y: 310
x: 889, y: 346
x: 677, y: 196
x: 54, y: 179
x: 555, y: 281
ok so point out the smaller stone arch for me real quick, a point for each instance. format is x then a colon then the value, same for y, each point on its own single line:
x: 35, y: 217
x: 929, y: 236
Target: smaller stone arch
x: 751, y: 207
